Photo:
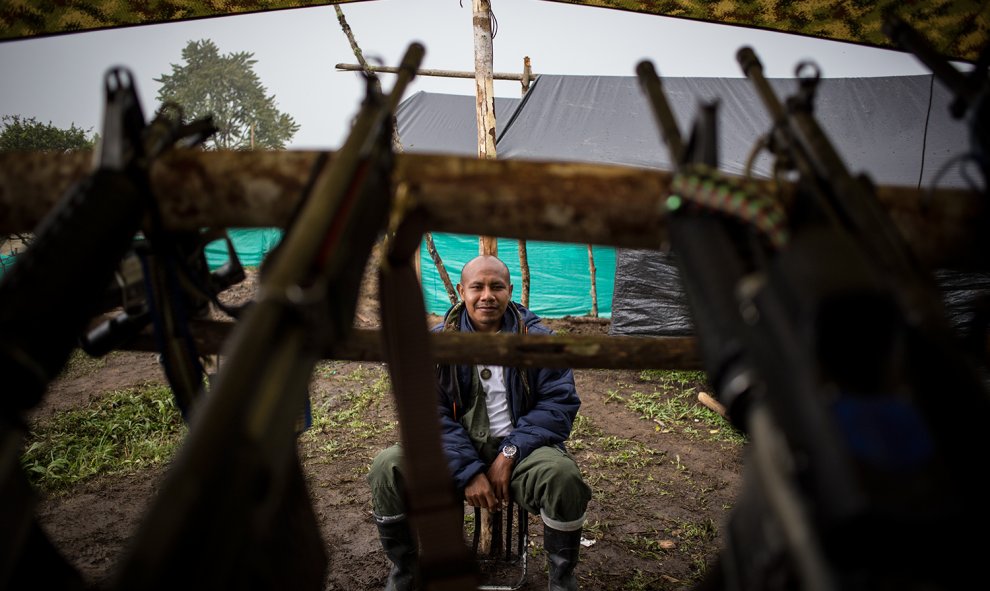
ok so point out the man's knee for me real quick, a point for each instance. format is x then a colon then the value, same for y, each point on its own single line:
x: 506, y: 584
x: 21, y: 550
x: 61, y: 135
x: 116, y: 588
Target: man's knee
x: 553, y: 485
x: 571, y: 484
x: 385, y: 480
x: 386, y: 465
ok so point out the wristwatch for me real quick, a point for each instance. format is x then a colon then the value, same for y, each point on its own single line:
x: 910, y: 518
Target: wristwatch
x: 510, y: 451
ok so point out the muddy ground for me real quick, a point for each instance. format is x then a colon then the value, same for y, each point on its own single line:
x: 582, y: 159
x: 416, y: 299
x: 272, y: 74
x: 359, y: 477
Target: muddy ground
x: 662, y: 488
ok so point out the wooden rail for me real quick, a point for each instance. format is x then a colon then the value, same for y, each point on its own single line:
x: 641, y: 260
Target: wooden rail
x: 601, y: 204
x: 575, y: 351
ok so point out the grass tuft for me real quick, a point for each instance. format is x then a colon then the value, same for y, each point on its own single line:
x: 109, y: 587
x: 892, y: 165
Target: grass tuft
x: 346, y: 422
x: 126, y: 431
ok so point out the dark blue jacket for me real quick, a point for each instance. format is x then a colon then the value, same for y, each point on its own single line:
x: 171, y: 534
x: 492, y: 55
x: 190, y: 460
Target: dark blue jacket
x: 543, y: 402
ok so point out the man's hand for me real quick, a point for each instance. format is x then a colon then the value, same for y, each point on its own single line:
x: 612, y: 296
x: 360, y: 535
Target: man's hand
x: 499, y: 475
x: 479, y: 493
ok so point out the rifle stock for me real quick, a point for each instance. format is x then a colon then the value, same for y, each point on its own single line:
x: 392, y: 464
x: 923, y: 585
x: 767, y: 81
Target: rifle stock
x: 234, y: 507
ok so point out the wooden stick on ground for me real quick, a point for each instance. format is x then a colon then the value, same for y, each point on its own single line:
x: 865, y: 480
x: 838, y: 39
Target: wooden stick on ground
x: 707, y: 400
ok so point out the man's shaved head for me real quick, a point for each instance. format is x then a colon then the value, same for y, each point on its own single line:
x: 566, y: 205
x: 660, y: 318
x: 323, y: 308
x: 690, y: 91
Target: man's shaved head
x: 484, y: 259
x: 486, y: 289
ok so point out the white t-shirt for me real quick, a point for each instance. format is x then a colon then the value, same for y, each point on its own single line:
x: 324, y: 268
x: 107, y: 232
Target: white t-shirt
x: 499, y: 417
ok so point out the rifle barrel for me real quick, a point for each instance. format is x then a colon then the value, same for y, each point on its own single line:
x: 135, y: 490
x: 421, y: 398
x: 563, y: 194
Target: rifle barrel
x: 650, y: 81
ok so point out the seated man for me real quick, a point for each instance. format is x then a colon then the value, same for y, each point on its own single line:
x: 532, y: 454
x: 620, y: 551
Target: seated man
x: 503, y: 435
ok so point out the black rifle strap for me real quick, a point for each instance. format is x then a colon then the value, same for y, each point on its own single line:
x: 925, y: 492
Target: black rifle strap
x: 435, y: 510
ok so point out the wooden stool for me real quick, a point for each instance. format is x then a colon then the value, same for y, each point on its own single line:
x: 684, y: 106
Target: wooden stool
x: 503, y: 566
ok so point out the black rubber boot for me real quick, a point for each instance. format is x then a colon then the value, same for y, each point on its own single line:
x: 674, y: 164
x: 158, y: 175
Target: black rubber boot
x: 400, y: 547
x: 562, y: 549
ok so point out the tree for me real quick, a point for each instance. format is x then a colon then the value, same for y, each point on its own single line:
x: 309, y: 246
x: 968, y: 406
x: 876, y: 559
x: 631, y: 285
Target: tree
x: 226, y: 87
x: 27, y: 133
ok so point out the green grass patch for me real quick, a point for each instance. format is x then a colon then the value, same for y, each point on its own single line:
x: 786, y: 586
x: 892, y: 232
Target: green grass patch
x: 582, y: 430
x: 81, y: 364
x: 697, y: 538
x: 345, y: 422
x: 674, y: 379
x: 126, y: 431
x: 673, y: 405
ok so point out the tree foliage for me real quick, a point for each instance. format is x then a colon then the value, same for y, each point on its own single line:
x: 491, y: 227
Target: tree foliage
x: 226, y: 87
x: 27, y: 133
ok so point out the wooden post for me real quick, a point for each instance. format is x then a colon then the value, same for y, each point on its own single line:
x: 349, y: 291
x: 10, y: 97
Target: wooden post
x: 524, y: 271
x: 594, y: 287
x: 523, y: 256
x: 485, y: 94
x: 527, y: 75
x: 441, y: 269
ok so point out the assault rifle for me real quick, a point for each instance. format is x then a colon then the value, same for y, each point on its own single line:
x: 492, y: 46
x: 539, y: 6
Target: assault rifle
x: 76, y: 249
x: 827, y: 343
x: 165, y: 281
x: 234, y: 509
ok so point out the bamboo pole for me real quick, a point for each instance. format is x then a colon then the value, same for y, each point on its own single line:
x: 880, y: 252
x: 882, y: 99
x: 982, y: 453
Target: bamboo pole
x: 485, y: 96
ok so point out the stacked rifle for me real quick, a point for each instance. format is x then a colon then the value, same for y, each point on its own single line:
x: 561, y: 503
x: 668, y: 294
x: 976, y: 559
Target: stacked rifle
x: 233, y: 510
x: 827, y: 344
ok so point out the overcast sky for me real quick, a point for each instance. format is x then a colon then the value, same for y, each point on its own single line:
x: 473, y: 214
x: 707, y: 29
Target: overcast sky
x: 59, y: 79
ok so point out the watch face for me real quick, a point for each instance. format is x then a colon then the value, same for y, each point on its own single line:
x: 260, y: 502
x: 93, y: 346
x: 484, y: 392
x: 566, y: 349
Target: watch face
x: 509, y: 451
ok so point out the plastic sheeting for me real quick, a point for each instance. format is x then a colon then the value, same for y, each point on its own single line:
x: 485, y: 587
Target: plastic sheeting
x: 967, y: 299
x: 250, y: 244
x: 446, y: 123
x: 560, y: 277
x: 651, y: 301
x: 6, y: 261
x: 654, y: 303
x: 895, y: 129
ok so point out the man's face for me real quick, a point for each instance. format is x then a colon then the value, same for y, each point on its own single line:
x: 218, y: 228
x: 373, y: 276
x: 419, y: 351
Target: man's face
x: 486, y: 291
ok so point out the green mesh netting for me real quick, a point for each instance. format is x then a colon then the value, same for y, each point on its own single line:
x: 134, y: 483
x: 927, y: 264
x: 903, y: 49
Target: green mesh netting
x: 560, y: 277
x: 250, y: 244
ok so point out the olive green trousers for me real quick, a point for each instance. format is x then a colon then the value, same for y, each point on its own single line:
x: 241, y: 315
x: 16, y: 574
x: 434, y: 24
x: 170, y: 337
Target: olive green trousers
x: 547, y: 482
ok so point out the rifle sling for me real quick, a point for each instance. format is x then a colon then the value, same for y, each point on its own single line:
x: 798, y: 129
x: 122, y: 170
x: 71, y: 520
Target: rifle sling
x: 435, y: 510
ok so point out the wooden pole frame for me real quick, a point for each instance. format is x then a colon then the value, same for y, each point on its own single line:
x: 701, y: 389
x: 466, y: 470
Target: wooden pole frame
x: 485, y: 95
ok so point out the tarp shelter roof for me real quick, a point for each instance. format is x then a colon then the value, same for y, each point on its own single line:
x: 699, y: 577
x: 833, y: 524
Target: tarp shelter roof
x: 898, y: 130
x: 956, y: 28
x: 436, y: 122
